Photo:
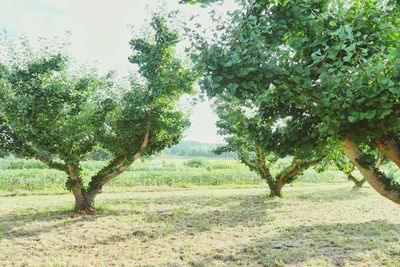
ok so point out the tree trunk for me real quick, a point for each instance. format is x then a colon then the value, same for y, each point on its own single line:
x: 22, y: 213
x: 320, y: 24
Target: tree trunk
x: 276, y: 189
x: 119, y: 164
x: 370, y: 173
x: 263, y: 170
x: 84, y: 202
x: 359, y: 184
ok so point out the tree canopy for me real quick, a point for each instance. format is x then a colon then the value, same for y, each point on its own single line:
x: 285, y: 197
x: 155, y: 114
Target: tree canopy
x: 58, y: 116
x: 335, y: 63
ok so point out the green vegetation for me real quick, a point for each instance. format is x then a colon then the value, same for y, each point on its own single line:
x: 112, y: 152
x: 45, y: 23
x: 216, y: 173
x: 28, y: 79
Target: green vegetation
x: 322, y: 70
x: 20, y: 176
x: 51, y: 113
x: 195, y: 149
x: 308, y: 96
x: 253, y: 139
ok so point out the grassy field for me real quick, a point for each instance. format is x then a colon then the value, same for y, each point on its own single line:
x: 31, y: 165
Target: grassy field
x: 20, y: 176
x: 193, y: 212
x: 315, y: 225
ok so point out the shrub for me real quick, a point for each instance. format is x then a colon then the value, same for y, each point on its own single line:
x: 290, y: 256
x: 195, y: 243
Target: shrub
x: 196, y: 163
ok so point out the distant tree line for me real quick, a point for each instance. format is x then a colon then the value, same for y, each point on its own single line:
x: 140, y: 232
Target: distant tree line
x: 196, y: 149
x: 183, y: 149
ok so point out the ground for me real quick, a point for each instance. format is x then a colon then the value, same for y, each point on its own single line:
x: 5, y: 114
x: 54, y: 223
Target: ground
x: 314, y: 225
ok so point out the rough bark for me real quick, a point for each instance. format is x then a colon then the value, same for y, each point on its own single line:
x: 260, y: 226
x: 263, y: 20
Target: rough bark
x: 276, y: 189
x: 112, y: 170
x: 291, y: 173
x: 261, y: 168
x: 84, y: 203
x: 371, y: 174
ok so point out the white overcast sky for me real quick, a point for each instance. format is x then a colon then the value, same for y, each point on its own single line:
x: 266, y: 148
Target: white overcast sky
x: 100, y: 35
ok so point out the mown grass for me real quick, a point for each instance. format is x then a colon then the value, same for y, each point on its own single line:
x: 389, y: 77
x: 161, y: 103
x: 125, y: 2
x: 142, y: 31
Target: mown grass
x: 314, y: 225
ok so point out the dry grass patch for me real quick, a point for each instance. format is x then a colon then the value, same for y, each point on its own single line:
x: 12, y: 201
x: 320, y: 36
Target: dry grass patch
x: 316, y: 225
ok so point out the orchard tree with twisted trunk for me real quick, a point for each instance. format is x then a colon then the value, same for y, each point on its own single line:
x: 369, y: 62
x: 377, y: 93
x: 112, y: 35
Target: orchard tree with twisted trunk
x: 254, y: 139
x: 57, y: 116
x: 337, y: 61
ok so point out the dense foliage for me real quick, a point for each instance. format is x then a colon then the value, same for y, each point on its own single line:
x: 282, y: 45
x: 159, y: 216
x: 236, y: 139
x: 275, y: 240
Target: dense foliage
x: 254, y: 139
x: 326, y: 63
x: 58, y: 116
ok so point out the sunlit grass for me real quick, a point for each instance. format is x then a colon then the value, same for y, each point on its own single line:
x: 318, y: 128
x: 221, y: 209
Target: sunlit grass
x: 314, y: 225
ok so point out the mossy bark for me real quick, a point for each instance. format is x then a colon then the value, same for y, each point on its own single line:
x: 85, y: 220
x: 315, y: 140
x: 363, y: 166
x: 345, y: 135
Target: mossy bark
x: 84, y: 202
x: 369, y: 171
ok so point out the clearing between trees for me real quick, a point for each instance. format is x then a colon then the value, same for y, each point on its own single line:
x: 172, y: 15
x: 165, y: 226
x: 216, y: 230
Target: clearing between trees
x: 314, y: 225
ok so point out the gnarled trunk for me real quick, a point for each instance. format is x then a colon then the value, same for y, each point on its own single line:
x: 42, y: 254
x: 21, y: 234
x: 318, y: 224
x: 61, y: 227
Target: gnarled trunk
x: 288, y: 175
x: 263, y: 170
x: 276, y: 189
x: 291, y: 173
x: 371, y: 174
x: 84, y: 202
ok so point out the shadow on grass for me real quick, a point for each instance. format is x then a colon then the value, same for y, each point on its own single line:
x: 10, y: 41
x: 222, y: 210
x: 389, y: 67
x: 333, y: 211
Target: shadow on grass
x: 249, y: 211
x: 15, y: 225
x: 331, y: 194
x: 169, y: 215
x: 335, y: 244
x: 184, y: 216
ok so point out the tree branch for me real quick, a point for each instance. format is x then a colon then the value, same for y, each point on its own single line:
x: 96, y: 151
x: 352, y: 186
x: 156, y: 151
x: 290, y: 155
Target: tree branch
x: 30, y: 152
x: 121, y: 163
x: 295, y: 168
x: 262, y: 168
x: 357, y: 183
x: 382, y: 184
x: 248, y: 162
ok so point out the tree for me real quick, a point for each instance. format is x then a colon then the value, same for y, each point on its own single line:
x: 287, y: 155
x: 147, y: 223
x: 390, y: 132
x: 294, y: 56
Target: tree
x: 195, y: 149
x: 253, y: 138
x: 58, y: 117
x: 337, y: 61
